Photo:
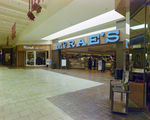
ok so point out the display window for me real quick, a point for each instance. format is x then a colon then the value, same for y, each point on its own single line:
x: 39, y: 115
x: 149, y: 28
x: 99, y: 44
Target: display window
x: 7, y: 57
x: 36, y: 58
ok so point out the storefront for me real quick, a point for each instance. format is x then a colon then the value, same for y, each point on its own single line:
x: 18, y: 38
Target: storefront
x: 7, y: 56
x: 80, y: 61
x: 78, y: 51
x: 32, y: 55
x: 139, y: 51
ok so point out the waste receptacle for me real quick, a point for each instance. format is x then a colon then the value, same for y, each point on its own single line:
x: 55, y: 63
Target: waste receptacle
x: 118, y: 73
x: 53, y: 65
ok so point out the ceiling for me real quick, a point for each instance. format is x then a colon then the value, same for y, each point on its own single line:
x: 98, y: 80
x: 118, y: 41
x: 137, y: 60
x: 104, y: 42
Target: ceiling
x: 55, y: 15
x: 12, y: 11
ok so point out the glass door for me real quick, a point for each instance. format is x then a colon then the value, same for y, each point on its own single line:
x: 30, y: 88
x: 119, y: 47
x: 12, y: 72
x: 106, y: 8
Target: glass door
x: 137, y: 57
x: 147, y: 62
x: 41, y: 58
x: 30, y: 58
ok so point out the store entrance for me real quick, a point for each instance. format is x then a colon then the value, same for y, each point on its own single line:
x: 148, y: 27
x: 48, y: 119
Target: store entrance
x: 87, y: 58
x: 36, y: 58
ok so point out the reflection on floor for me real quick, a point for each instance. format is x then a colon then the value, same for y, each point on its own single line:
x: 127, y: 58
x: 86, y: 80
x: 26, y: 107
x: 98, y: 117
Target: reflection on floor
x: 94, y: 76
x: 137, y: 93
x: 52, y: 94
x: 148, y: 113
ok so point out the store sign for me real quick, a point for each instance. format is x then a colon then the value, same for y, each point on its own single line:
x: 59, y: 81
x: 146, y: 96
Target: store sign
x: 138, y: 39
x: 112, y: 36
x: 63, y: 62
x: 99, y: 64
x: 32, y: 47
x: 47, y: 61
x: 137, y: 46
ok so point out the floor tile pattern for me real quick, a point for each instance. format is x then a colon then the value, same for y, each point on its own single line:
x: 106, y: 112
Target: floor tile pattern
x: 104, y: 78
x: 73, y: 94
x: 91, y: 104
x: 23, y: 93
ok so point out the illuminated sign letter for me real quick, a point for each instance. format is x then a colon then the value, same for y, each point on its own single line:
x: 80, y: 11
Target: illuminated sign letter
x: 71, y: 43
x: 127, y: 44
x: 93, y: 40
x: 80, y: 42
x: 111, y: 37
x: 59, y: 46
x: 64, y: 44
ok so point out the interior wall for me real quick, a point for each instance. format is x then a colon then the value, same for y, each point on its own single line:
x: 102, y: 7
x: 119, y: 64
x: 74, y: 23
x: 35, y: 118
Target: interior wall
x: 119, y: 55
x: 21, y: 58
x: 56, y: 58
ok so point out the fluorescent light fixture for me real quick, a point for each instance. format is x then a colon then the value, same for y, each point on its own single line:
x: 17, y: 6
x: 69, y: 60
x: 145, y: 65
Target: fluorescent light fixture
x: 88, y: 34
x: 139, y: 27
x: 98, y: 20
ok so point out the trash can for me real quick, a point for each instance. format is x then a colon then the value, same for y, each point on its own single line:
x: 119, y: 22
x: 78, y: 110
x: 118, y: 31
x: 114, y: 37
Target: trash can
x: 118, y: 73
x: 53, y: 65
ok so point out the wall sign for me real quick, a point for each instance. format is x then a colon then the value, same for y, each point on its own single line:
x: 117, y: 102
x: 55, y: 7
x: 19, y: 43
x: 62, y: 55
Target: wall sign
x: 63, y: 62
x: 138, y: 39
x: 32, y: 47
x: 112, y: 36
x: 99, y: 64
x: 47, y: 61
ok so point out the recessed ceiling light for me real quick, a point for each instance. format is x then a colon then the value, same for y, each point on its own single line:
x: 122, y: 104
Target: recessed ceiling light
x: 10, y: 0
x: 7, y: 10
x: 5, y: 17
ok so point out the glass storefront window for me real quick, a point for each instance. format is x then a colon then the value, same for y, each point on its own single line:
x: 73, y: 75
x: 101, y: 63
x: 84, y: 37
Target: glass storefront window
x: 30, y: 58
x: 140, y: 55
x: 7, y: 57
x: 147, y: 55
x: 40, y: 58
x: 36, y: 58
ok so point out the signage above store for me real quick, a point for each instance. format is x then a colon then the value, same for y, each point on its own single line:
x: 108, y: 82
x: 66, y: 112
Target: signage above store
x: 32, y: 47
x: 112, y: 36
x: 137, y: 46
x: 138, y: 39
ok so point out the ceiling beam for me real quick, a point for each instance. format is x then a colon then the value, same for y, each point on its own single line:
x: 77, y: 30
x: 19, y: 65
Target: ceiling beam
x: 27, y: 3
x: 8, y: 27
x: 7, y: 17
x: 13, y: 8
x: 14, y: 16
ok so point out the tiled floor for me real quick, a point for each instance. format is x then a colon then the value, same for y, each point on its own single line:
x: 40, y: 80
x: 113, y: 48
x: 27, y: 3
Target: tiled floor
x: 44, y: 94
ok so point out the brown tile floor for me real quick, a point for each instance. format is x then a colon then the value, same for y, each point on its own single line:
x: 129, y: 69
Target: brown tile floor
x: 92, y: 103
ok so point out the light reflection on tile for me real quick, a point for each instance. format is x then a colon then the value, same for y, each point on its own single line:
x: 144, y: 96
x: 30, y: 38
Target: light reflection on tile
x: 24, y: 92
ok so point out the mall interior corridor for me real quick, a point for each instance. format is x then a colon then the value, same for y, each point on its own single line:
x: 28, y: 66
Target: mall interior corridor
x: 52, y: 94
